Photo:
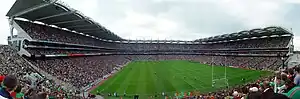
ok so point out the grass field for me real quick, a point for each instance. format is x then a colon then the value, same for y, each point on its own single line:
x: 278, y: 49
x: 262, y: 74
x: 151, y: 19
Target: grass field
x: 155, y: 77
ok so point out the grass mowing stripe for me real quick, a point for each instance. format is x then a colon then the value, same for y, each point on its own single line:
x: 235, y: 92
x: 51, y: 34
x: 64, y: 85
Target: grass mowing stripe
x: 115, y: 82
x: 193, y: 74
x: 191, y: 79
x: 154, y: 77
x: 150, y: 87
x: 160, y: 77
x: 108, y: 82
x: 180, y: 78
x: 133, y: 80
x: 126, y: 81
x: 166, y: 78
x: 142, y: 81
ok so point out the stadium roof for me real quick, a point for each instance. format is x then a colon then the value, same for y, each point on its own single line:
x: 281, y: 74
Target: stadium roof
x: 268, y: 31
x: 54, y: 12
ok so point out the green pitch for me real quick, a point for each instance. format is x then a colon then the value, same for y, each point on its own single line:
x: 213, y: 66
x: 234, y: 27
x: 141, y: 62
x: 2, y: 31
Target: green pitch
x: 155, y: 77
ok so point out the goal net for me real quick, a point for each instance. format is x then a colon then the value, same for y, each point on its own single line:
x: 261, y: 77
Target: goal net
x: 220, y: 83
x: 219, y: 76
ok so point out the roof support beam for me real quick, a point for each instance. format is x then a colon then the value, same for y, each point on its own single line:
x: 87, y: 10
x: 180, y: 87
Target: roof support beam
x: 57, y: 15
x: 80, y: 26
x: 89, y: 29
x: 33, y: 8
x: 56, y: 23
x: 93, y: 32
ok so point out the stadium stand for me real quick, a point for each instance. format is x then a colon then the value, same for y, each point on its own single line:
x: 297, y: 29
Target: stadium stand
x: 92, y: 52
x: 44, y: 33
x: 29, y: 79
x: 80, y: 71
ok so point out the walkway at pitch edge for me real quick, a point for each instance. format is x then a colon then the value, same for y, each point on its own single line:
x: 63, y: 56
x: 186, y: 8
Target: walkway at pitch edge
x: 97, y: 96
x: 101, y: 82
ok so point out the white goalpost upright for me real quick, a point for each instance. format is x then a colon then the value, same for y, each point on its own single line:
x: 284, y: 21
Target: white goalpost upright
x: 223, y: 78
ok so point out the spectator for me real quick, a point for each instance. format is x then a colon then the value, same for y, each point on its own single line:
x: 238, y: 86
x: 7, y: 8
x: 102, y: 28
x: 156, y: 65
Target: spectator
x: 279, y: 96
x: 17, y: 94
x: 291, y: 74
x: 297, y: 77
x: 267, y: 90
x: 1, y: 78
x: 9, y: 84
x: 40, y: 96
x: 294, y: 93
x: 254, y: 95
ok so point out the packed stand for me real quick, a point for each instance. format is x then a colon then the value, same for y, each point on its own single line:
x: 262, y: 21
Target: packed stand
x: 60, y: 51
x: 15, y: 72
x: 274, y: 42
x: 285, y: 84
x: 80, y: 71
x: 45, y: 33
x: 259, y: 63
x: 91, y: 68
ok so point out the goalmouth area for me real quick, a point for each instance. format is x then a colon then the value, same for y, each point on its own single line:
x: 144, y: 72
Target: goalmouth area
x: 149, y: 78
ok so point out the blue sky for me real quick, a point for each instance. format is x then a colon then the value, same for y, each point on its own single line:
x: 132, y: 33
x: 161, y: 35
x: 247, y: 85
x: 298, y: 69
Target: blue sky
x: 181, y: 19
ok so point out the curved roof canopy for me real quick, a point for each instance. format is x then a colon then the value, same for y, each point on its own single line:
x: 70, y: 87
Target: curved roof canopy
x: 54, y: 12
x: 268, y: 31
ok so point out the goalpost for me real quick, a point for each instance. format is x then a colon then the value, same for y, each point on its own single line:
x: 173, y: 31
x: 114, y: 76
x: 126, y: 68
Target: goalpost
x: 219, y: 81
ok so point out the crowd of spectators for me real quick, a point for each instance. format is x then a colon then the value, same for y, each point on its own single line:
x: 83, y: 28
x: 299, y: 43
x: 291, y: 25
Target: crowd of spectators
x: 91, y: 68
x: 251, y: 43
x: 75, y: 69
x: 12, y: 63
x: 80, y: 71
x: 267, y: 63
x: 60, y: 51
x: 45, y: 33
x: 284, y: 84
x: 30, y: 84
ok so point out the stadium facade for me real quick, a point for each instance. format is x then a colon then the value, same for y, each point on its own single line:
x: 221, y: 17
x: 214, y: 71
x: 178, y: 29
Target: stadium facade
x: 50, y: 29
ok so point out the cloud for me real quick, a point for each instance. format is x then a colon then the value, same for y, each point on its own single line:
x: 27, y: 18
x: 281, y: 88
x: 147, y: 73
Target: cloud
x: 253, y: 13
x: 296, y: 43
x: 183, y: 19
x: 4, y: 30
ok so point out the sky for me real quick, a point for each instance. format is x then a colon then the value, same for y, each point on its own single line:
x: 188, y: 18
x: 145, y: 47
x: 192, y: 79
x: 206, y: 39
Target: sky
x: 181, y: 19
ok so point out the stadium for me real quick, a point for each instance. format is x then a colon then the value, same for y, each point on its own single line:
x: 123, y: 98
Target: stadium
x: 58, y: 50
